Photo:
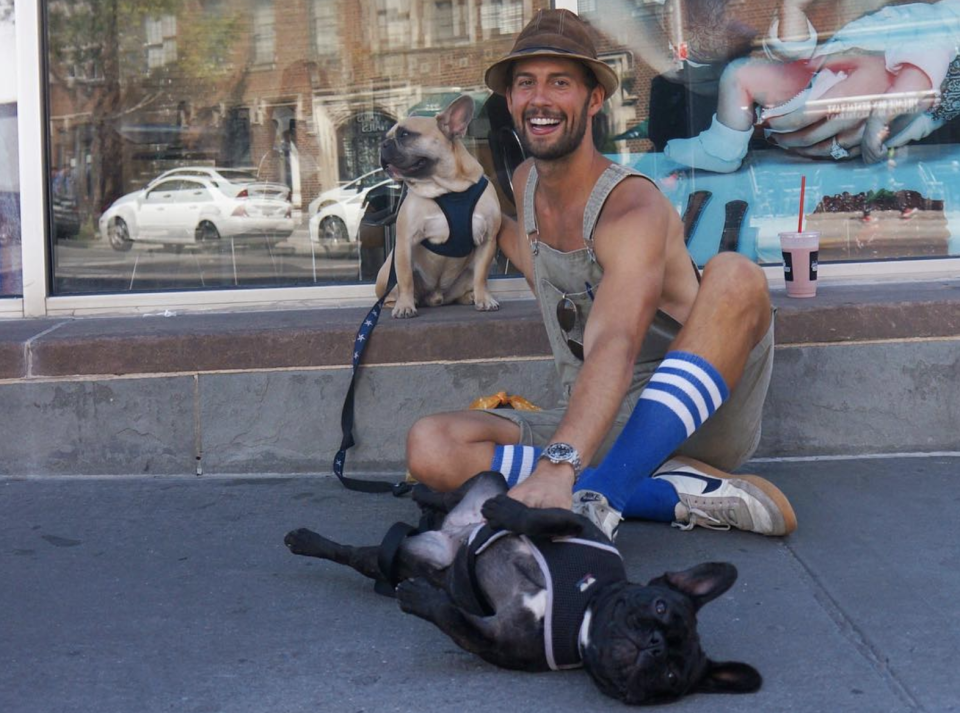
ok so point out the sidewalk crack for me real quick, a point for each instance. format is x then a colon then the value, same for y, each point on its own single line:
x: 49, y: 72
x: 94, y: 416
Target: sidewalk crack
x: 850, y: 631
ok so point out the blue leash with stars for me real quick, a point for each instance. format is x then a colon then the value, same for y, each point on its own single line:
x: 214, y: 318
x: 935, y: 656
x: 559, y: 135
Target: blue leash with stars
x: 346, y: 415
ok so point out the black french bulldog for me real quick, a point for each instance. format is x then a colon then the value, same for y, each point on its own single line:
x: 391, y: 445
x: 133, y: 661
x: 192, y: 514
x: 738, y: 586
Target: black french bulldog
x: 536, y: 589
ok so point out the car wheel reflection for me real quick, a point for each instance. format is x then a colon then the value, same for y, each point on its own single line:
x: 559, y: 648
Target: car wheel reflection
x: 120, y: 235
x: 207, y: 234
x: 333, y: 229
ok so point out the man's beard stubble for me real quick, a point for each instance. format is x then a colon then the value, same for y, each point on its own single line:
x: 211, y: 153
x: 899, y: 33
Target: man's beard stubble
x: 567, y: 143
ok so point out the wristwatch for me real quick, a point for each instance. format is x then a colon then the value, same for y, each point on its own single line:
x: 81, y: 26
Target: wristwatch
x: 564, y: 453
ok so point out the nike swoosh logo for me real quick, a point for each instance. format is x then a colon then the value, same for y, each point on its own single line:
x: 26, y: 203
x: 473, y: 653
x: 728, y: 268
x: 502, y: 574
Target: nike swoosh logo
x: 712, y: 483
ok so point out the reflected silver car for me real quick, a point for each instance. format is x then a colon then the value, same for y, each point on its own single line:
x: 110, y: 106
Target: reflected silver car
x: 193, y: 211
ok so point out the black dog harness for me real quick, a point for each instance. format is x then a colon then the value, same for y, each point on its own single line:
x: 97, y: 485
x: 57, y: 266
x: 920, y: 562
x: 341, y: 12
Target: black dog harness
x: 458, y: 210
x: 574, y: 569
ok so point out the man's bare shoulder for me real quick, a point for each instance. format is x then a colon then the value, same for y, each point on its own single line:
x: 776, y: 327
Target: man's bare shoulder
x: 636, y: 204
x: 635, y: 196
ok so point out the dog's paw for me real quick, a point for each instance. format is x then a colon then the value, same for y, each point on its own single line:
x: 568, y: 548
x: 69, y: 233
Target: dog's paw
x: 503, y: 512
x: 300, y: 540
x: 418, y: 596
x: 309, y: 543
x: 486, y: 303
x: 404, y: 308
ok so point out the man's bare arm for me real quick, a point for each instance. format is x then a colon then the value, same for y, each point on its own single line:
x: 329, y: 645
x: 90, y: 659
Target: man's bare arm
x: 631, y: 246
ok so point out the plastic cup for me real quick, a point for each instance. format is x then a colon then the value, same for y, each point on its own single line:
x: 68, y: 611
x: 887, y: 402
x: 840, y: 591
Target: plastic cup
x: 801, y: 253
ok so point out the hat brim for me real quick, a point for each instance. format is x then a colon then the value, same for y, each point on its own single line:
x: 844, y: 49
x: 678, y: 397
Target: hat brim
x: 497, y: 75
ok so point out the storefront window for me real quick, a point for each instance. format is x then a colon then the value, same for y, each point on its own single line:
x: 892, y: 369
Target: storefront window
x: 11, y: 281
x: 211, y: 144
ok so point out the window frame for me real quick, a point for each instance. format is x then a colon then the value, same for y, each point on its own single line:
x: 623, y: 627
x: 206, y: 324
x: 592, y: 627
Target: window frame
x: 37, y: 300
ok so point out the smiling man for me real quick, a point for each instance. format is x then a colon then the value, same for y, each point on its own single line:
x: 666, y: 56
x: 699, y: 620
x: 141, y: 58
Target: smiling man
x: 657, y: 365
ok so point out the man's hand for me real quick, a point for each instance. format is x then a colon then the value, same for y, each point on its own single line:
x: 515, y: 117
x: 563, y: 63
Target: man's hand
x: 550, y: 485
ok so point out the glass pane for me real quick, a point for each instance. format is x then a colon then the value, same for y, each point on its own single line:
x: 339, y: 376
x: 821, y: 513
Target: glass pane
x: 276, y: 109
x: 729, y: 109
x: 11, y: 280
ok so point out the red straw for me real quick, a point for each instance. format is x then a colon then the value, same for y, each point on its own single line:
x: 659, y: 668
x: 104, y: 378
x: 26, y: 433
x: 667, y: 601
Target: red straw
x: 803, y: 188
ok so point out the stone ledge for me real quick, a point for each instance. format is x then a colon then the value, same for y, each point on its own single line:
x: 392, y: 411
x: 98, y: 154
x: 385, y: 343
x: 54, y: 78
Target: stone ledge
x: 191, y: 343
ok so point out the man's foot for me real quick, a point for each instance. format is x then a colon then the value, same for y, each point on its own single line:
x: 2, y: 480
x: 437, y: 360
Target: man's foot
x: 596, y: 509
x: 713, y: 499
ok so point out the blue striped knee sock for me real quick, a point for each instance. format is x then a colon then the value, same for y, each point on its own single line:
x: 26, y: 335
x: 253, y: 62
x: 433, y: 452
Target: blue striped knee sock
x: 683, y: 392
x: 515, y: 462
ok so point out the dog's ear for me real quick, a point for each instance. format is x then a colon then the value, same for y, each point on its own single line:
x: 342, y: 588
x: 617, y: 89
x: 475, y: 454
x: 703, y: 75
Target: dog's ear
x: 702, y: 583
x: 729, y: 677
x: 454, y: 120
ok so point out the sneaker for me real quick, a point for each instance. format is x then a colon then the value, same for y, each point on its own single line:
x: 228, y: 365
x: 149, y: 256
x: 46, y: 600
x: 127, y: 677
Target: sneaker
x: 596, y: 509
x: 718, y: 501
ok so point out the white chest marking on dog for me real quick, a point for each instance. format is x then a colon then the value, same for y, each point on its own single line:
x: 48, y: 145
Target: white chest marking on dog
x: 584, y: 638
x: 537, y: 604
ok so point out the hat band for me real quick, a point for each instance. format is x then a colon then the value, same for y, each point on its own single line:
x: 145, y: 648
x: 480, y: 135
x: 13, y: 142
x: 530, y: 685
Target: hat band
x: 529, y: 50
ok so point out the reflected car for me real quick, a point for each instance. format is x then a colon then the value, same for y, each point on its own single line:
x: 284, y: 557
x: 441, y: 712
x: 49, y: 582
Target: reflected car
x: 188, y: 210
x: 242, y: 183
x: 335, y: 214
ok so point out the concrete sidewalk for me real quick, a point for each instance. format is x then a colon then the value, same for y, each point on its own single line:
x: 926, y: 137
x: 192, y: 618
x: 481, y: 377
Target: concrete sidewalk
x: 143, y: 594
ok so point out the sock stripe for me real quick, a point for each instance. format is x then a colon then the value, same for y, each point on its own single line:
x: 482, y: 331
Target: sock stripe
x: 497, y: 461
x: 685, y: 399
x: 506, y: 464
x: 701, y: 374
x: 695, y: 383
x: 515, y: 462
x: 526, y: 465
x: 674, y: 404
x: 695, y: 395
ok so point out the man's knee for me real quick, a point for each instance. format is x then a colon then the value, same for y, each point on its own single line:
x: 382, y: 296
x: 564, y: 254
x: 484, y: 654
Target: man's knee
x: 740, y: 285
x: 422, y: 438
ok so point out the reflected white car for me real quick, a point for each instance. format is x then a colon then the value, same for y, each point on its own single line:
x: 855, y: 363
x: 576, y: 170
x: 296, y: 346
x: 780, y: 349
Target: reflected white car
x: 193, y: 211
x: 237, y: 182
x: 240, y: 182
x: 335, y: 214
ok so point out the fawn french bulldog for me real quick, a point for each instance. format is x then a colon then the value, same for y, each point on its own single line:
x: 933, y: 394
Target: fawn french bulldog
x: 448, y: 222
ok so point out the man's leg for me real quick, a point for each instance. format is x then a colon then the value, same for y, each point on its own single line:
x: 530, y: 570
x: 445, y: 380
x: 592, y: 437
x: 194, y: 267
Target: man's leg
x: 444, y: 450
x: 730, y: 316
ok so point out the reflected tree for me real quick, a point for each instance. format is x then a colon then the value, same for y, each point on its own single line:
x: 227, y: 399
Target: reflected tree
x: 97, y: 51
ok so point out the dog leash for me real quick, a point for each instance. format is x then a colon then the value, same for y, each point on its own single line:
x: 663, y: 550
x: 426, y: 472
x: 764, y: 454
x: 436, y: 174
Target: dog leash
x: 347, y: 414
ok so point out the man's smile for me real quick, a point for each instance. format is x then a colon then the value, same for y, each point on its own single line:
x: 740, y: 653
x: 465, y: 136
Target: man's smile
x: 542, y: 125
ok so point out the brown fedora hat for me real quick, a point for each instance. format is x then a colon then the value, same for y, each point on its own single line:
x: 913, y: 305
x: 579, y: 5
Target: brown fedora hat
x: 553, y: 33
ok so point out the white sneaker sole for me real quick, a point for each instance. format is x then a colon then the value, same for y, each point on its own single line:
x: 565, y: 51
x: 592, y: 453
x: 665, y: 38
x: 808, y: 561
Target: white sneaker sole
x: 762, y: 484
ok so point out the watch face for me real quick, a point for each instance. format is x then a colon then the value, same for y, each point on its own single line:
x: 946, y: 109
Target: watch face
x: 560, y: 451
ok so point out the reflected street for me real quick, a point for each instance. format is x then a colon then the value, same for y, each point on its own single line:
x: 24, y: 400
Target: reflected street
x: 257, y: 261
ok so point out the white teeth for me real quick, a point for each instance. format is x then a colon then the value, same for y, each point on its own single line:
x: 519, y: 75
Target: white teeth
x: 543, y: 121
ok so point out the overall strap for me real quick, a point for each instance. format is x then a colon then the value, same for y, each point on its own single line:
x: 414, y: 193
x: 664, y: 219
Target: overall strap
x: 608, y: 180
x: 529, y: 211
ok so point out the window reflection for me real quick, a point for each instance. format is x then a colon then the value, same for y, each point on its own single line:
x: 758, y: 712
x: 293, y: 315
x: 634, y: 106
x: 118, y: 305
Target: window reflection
x: 296, y: 97
x: 235, y: 143
x: 11, y: 281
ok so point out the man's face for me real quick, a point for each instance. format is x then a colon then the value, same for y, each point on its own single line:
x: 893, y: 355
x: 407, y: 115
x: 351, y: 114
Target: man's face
x: 552, y: 106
